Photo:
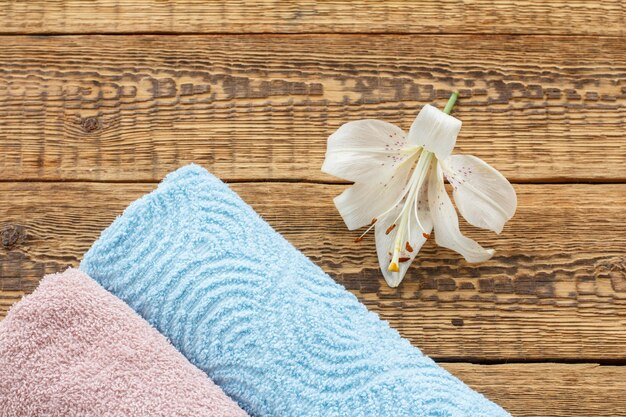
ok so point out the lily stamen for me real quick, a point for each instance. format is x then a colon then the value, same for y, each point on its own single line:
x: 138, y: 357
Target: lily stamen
x: 372, y: 224
x: 416, y: 182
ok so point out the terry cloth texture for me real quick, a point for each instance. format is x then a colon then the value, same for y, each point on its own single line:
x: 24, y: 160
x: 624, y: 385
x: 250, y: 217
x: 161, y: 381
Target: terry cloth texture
x: 73, y: 349
x: 264, y: 322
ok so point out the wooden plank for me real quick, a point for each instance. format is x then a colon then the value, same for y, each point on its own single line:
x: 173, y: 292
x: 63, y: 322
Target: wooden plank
x: 549, y: 390
x: 132, y: 108
x: 274, y: 16
x: 556, y: 288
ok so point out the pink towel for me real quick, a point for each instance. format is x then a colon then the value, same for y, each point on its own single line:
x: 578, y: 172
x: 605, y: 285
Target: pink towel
x: 73, y: 349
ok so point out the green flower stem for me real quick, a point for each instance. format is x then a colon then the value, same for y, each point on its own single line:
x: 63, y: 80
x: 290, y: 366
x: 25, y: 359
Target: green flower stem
x: 451, y: 102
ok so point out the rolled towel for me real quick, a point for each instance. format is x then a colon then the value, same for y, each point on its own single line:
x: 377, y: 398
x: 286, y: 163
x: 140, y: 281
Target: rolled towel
x: 73, y: 349
x: 265, y: 323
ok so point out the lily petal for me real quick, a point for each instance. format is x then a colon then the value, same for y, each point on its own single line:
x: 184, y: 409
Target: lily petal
x: 365, y: 150
x: 483, y: 196
x: 447, y: 232
x: 434, y: 130
x: 361, y: 203
x: 385, y: 241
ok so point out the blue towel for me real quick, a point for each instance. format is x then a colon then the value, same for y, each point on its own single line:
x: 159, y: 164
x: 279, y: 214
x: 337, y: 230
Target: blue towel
x: 264, y: 322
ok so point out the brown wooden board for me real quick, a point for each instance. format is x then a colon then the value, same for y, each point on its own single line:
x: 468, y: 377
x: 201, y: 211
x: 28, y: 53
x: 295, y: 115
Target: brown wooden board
x: 556, y: 288
x: 607, y: 17
x: 548, y: 389
x: 132, y: 108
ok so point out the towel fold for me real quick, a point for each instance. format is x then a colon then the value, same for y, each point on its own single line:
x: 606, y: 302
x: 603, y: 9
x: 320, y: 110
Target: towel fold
x: 73, y: 349
x: 264, y: 322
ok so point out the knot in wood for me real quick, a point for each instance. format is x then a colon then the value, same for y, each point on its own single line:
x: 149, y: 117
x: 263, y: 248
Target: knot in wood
x: 458, y: 322
x: 10, y: 235
x: 91, y: 124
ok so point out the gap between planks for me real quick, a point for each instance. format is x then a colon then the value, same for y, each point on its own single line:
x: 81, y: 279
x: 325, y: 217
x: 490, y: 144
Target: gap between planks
x: 245, y: 180
x: 315, y: 33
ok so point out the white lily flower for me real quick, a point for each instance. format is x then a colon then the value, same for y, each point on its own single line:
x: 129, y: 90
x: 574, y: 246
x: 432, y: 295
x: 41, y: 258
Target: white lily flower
x: 399, y: 187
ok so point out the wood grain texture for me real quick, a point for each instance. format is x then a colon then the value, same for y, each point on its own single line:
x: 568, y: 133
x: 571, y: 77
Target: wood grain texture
x: 549, y: 390
x: 274, y: 16
x: 547, y: 106
x: 556, y: 288
x: 132, y: 108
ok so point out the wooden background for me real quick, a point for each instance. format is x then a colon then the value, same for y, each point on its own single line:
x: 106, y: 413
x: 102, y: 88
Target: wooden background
x: 100, y: 99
